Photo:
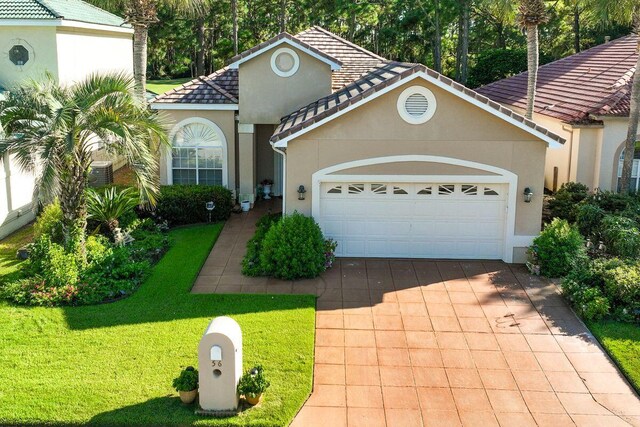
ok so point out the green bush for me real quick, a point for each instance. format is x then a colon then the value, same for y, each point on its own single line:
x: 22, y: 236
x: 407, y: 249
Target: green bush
x: 589, y: 220
x: 565, y: 201
x: 49, y: 223
x: 293, y: 248
x: 621, y: 235
x: 251, y: 265
x: 253, y: 383
x: 186, y: 204
x: 589, y: 303
x: 51, y: 261
x: 187, y: 380
x: 109, y: 206
x: 622, y: 286
x: 558, y: 248
x: 612, y: 202
x: 150, y: 241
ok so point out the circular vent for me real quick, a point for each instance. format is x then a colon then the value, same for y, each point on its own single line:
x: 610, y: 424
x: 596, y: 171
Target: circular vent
x: 416, y: 105
x: 285, y: 62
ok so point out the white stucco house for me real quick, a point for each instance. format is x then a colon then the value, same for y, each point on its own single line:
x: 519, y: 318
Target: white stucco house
x: 584, y: 98
x: 69, y: 39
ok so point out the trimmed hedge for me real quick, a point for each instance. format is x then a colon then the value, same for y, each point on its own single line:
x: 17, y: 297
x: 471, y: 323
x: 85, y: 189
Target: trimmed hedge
x: 185, y: 204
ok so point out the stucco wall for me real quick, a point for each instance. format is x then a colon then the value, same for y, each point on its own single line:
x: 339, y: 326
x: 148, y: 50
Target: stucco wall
x: 614, y: 136
x: 225, y: 120
x: 81, y: 52
x: 41, y: 41
x: 375, y: 129
x: 265, y: 97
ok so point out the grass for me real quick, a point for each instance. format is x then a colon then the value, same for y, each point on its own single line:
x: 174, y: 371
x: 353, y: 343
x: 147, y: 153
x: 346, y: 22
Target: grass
x: 161, y: 86
x: 9, y: 263
x: 622, y: 342
x: 112, y: 364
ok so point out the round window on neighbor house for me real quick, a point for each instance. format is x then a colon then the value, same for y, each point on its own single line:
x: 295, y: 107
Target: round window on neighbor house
x: 19, y: 55
x: 285, y: 62
x: 416, y: 105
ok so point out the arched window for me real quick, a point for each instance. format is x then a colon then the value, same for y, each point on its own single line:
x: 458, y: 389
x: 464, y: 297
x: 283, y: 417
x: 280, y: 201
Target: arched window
x: 635, y: 172
x: 198, y: 154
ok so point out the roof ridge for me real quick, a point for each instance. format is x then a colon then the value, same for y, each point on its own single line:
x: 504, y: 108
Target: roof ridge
x: 347, y: 42
x: 52, y: 11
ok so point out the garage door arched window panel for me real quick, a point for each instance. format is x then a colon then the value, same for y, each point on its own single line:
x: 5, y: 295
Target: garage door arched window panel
x: 378, y: 188
x: 198, y: 154
x: 355, y: 188
x: 426, y: 191
x: 470, y: 190
x: 416, y: 105
x: 446, y: 189
x: 399, y: 190
x: 335, y: 190
x: 488, y: 191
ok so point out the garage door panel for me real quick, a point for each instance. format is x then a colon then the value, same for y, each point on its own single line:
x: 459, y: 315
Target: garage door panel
x: 375, y: 222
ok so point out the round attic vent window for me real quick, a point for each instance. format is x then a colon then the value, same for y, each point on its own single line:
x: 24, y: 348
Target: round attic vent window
x: 416, y: 105
x: 285, y: 62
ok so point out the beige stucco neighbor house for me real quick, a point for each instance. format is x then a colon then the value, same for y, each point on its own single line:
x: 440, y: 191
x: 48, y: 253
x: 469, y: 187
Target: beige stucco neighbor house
x: 584, y: 98
x: 69, y: 39
x: 396, y: 159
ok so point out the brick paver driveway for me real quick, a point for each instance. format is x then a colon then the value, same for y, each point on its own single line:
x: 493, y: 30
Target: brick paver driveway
x: 419, y: 342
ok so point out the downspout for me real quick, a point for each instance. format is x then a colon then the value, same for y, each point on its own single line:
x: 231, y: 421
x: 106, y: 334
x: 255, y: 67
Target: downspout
x: 284, y: 176
x: 570, y: 130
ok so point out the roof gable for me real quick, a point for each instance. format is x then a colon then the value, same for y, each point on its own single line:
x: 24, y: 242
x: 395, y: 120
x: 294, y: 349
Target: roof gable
x: 383, y: 79
x: 284, y: 38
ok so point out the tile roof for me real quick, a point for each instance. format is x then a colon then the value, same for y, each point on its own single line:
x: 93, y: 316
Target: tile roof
x: 71, y: 10
x: 383, y: 75
x: 220, y: 87
x: 594, y: 82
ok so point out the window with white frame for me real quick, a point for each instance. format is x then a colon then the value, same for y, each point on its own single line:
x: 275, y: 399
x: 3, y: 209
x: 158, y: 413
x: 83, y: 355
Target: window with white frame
x: 635, y: 171
x: 197, y: 155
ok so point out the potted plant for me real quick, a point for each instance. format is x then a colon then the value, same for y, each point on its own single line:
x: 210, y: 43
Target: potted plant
x: 252, y: 384
x: 186, y: 384
x: 266, y: 188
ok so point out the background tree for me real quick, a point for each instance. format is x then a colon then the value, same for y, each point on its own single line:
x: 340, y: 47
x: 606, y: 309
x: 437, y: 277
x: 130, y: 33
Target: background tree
x: 531, y: 14
x: 53, y: 130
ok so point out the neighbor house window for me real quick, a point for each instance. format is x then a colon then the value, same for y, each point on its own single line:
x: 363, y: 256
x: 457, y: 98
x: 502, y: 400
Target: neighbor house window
x: 197, y: 155
x: 635, y: 182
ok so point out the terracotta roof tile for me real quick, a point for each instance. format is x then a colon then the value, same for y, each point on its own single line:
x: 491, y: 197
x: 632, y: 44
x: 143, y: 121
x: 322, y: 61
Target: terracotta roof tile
x: 383, y: 75
x: 575, y: 88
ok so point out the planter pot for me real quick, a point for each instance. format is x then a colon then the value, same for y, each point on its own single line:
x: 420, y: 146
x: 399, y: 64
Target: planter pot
x: 188, y: 397
x: 246, y: 205
x: 253, y: 400
x: 267, y: 191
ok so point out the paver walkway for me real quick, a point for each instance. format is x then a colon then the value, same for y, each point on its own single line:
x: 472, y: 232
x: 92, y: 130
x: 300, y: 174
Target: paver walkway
x: 418, y: 342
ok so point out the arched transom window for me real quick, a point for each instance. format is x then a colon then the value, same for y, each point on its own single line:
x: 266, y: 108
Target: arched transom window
x: 198, y: 155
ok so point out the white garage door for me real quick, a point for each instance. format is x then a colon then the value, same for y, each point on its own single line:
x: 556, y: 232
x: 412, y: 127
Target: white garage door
x: 414, y: 220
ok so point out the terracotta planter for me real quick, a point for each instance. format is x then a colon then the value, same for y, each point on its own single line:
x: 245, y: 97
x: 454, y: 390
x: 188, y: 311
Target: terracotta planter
x: 188, y: 397
x: 253, y: 400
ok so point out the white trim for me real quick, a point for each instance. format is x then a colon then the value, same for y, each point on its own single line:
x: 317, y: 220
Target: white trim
x: 223, y: 141
x: 551, y: 142
x: 502, y: 176
x: 431, y: 105
x: 334, y: 65
x: 294, y: 68
x: 195, y: 107
x: 63, y: 23
x: 246, y: 128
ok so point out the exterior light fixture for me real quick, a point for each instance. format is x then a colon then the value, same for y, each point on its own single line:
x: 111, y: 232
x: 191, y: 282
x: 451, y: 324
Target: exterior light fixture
x: 301, y: 192
x: 528, y: 194
x: 210, y: 207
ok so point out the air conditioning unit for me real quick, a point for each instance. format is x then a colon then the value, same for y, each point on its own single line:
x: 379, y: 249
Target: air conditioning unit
x: 101, y: 173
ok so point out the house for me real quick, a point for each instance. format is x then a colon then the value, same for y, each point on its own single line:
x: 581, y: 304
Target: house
x: 68, y: 39
x: 395, y: 160
x: 584, y: 98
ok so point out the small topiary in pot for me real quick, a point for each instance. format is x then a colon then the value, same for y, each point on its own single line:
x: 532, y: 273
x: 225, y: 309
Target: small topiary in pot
x: 186, y: 384
x: 252, y: 384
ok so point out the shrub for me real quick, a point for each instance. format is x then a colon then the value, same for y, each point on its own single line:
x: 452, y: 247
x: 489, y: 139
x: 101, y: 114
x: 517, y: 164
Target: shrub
x: 50, y: 261
x: 49, y: 223
x: 185, y: 204
x: 564, y: 203
x: 150, y: 242
x: 588, y: 302
x: 107, y: 207
x: 293, y: 248
x: 36, y: 291
x: 558, y: 248
x: 621, y: 235
x: 610, y: 201
x: 251, y: 265
x: 187, y: 380
x: 622, y: 287
x: 589, y: 219
x: 253, y: 383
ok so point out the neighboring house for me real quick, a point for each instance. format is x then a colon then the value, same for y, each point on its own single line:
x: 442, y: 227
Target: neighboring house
x: 396, y: 159
x: 584, y: 98
x: 69, y: 39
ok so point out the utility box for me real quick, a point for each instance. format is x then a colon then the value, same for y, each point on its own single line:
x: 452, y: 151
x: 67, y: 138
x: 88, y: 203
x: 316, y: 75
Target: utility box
x: 220, y: 365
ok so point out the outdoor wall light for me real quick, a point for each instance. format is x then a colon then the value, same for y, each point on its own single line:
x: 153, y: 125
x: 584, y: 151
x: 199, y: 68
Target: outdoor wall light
x: 301, y: 192
x: 210, y: 207
x: 528, y: 194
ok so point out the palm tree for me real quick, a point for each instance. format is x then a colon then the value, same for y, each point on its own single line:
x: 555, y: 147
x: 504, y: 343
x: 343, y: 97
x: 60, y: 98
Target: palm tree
x: 52, y: 130
x: 625, y: 12
x: 141, y: 14
x: 531, y: 14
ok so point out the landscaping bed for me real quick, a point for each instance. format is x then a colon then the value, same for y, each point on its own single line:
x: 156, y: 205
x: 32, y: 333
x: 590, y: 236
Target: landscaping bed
x: 113, y: 364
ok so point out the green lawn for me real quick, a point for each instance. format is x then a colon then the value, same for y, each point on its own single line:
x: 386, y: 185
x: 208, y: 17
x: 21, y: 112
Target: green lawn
x: 113, y: 364
x: 8, y: 262
x: 622, y: 342
x: 161, y: 86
